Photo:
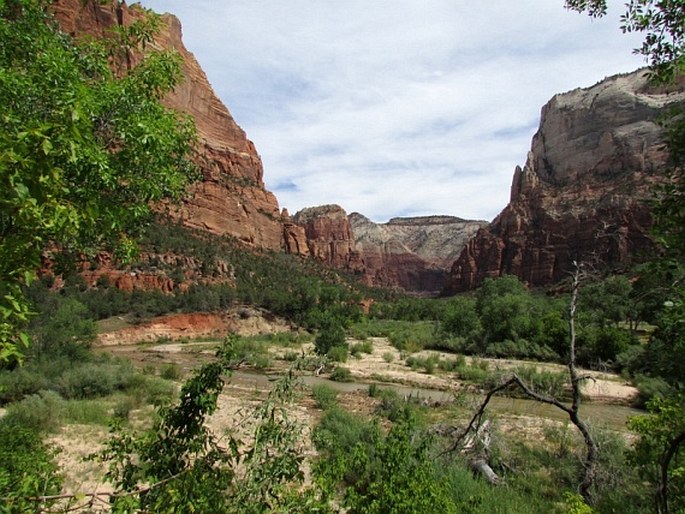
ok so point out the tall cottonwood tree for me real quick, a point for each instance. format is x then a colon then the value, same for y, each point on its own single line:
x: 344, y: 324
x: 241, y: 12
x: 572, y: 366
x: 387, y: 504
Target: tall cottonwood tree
x: 85, y: 146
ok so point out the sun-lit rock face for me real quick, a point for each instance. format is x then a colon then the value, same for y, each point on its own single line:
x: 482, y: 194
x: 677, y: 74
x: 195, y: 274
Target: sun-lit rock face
x: 231, y: 199
x: 329, y: 236
x: 582, y: 194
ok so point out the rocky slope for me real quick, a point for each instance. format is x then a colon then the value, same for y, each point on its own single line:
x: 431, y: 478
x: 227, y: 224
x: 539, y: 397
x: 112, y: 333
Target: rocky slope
x: 412, y: 253
x: 231, y: 199
x: 582, y: 194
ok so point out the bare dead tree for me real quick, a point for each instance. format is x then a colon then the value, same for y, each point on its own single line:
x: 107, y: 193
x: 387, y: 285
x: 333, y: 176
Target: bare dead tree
x: 591, y: 457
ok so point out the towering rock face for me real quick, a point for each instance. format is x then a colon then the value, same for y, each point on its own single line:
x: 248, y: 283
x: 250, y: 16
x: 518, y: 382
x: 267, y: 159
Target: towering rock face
x: 583, y: 192
x: 412, y: 253
x: 231, y: 199
x: 329, y: 237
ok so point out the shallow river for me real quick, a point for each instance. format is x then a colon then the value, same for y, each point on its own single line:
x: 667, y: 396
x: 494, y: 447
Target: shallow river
x: 613, y: 417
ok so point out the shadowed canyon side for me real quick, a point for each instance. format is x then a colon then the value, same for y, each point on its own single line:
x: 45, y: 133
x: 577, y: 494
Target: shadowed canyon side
x: 583, y: 192
x: 231, y: 199
x: 412, y: 253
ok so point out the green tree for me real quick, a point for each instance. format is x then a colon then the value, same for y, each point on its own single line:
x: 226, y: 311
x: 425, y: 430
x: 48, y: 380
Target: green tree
x: 663, y: 24
x: 85, y: 147
x: 460, y: 318
x: 662, y: 432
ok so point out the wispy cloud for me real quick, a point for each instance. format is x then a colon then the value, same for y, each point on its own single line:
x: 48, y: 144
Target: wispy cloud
x: 400, y: 107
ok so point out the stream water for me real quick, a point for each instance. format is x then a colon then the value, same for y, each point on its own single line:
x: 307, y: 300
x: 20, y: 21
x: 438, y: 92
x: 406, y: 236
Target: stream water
x: 613, y: 417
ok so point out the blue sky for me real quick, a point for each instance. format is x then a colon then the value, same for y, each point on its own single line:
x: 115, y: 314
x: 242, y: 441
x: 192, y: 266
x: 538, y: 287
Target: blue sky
x: 396, y: 108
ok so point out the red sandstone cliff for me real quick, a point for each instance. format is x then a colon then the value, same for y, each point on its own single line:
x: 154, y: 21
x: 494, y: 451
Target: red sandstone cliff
x: 583, y: 192
x: 231, y: 199
x: 329, y: 237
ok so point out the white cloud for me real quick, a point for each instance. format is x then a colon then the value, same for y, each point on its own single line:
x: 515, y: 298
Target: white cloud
x: 396, y: 108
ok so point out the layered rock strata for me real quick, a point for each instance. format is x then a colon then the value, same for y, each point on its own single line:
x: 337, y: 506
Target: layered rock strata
x: 584, y: 190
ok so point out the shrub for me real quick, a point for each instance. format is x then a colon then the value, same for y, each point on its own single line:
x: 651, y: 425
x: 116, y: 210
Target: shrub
x: 16, y: 384
x: 338, y: 353
x: 427, y: 363
x: 393, y: 473
x: 171, y: 371
x: 42, y: 412
x: 93, y: 380
x: 388, y: 357
x: 325, y: 396
x: 650, y: 387
x: 362, y: 347
x: 28, y: 469
x: 151, y: 389
x: 86, y: 412
x: 291, y: 356
x: 329, y: 337
x: 552, y: 383
x: 341, y: 374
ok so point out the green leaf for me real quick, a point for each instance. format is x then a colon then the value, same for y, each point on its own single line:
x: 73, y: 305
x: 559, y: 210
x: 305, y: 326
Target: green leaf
x: 46, y: 146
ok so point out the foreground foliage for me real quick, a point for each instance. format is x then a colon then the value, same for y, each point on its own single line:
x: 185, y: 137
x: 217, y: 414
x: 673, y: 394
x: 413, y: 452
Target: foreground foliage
x: 84, y: 147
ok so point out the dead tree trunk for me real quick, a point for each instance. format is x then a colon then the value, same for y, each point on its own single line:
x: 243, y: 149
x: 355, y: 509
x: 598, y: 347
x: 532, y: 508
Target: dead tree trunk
x: 592, y: 450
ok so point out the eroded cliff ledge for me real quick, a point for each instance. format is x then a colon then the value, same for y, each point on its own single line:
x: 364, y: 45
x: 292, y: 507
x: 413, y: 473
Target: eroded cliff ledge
x: 583, y: 192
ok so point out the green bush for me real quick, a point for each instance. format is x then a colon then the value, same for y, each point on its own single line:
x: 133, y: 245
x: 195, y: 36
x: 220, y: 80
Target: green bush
x: 650, y: 387
x: 388, y: 357
x: 28, y: 469
x: 338, y: 353
x: 40, y: 413
x: 341, y: 374
x: 552, y: 383
x: 20, y: 382
x: 86, y: 412
x: 414, y: 337
x: 151, y: 389
x: 427, y: 363
x: 329, y: 337
x: 380, y: 474
x: 325, y: 396
x: 362, y: 347
x: 291, y: 356
x: 93, y: 380
x: 171, y: 371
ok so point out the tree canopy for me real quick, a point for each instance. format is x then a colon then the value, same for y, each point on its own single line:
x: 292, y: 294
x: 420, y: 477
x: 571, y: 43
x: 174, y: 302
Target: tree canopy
x: 85, y: 146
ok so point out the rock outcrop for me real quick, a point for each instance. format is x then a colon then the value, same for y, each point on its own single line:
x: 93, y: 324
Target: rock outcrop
x: 231, y: 199
x: 414, y: 254
x: 329, y: 237
x: 583, y: 192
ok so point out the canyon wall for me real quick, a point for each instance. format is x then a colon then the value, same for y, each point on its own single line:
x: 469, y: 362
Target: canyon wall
x: 414, y: 254
x: 584, y: 190
x: 231, y: 199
